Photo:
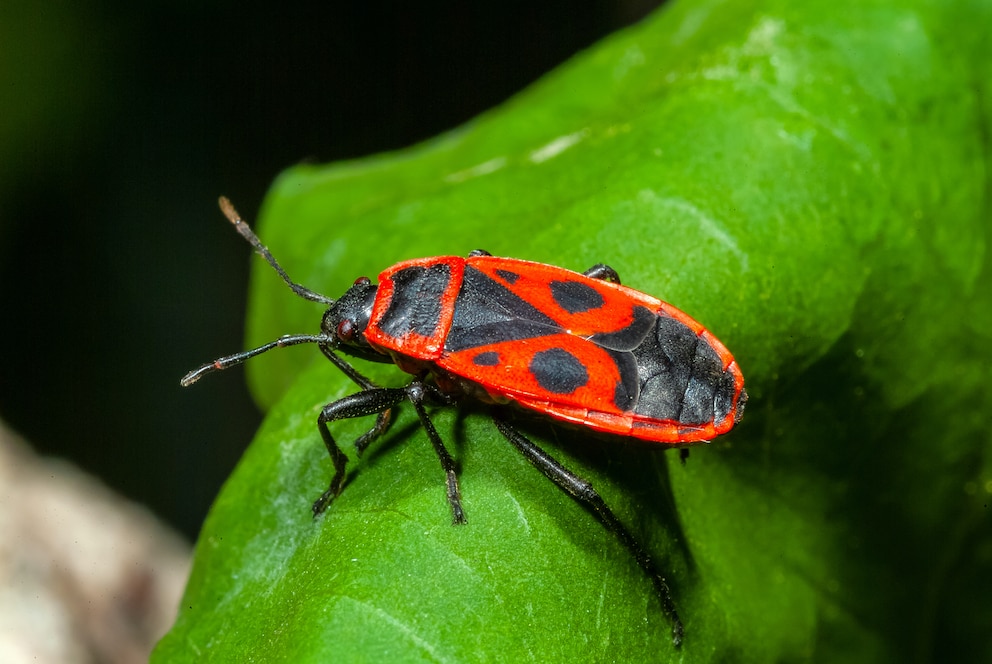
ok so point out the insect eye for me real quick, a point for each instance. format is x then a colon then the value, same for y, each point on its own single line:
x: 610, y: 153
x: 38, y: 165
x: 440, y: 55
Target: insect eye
x: 346, y: 330
x: 363, y: 281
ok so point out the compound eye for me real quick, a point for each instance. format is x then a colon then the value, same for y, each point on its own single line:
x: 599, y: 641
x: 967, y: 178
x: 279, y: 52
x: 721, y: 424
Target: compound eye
x: 346, y: 330
x: 363, y: 281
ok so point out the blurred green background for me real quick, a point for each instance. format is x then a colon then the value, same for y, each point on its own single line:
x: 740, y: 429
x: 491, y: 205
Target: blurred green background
x: 121, y: 123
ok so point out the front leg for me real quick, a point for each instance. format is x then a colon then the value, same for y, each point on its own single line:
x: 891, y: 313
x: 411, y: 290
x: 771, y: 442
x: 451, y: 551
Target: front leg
x: 381, y: 400
x: 384, y: 419
x: 369, y: 402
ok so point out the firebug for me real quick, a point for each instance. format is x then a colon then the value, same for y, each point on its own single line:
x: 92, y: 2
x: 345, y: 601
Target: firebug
x: 577, y: 347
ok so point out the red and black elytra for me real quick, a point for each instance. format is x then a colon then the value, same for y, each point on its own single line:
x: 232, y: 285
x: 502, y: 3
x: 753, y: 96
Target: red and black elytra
x: 568, y: 345
x: 580, y: 348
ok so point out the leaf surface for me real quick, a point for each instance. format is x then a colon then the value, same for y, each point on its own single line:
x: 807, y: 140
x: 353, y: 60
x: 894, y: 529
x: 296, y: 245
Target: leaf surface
x: 810, y: 181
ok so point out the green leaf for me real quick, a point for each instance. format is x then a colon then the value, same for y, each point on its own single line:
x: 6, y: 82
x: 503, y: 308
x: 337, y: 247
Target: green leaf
x: 810, y: 181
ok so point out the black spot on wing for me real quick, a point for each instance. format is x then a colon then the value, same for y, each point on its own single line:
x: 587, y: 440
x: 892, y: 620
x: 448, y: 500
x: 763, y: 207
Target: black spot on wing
x: 507, y: 276
x: 558, y: 371
x: 576, y: 297
x: 489, y: 358
x: 417, y: 300
x: 486, y: 312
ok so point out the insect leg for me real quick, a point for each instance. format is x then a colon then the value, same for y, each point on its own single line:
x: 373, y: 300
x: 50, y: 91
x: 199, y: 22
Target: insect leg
x: 368, y: 402
x: 382, y: 421
x: 604, y: 272
x: 418, y: 392
x: 584, y: 493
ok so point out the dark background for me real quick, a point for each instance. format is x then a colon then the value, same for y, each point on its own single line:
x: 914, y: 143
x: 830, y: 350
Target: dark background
x: 121, y: 123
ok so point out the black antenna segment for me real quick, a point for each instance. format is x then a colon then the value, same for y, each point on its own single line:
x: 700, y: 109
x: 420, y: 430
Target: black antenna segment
x: 247, y: 233
x: 240, y: 358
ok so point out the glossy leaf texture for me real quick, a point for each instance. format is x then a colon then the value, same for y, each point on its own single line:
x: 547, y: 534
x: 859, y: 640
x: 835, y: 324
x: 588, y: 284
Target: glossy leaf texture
x: 810, y: 181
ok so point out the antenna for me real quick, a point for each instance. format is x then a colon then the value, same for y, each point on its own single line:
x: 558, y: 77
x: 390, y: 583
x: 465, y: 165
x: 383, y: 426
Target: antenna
x: 288, y: 340
x: 240, y: 358
x: 247, y: 233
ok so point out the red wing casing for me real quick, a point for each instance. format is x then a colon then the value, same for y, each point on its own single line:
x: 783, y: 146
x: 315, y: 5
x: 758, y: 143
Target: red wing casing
x: 576, y: 348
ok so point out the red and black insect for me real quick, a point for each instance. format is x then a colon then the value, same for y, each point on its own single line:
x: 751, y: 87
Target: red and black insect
x: 580, y: 348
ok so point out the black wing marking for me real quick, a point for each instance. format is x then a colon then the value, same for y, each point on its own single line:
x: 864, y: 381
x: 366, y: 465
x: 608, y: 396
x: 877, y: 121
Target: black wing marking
x: 682, y: 377
x: 666, y: 371
x: 416, y: 302
x: 486, y: 312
